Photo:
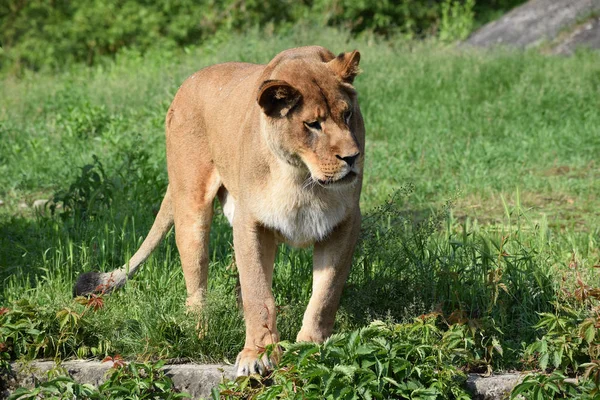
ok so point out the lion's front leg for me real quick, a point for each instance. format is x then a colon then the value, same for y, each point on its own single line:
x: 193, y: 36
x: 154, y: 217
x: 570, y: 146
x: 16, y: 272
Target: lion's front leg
x: 255, y: 249
x: 332, y: 259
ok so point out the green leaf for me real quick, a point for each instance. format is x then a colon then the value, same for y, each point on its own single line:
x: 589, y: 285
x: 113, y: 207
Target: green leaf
x: 590, y: 333
x: 315, y: 371
x: 21, y: 392
x: 497, y: 346
x: 540, y: 395
x: 390, y: 380
x: 521, y: 388
x: 557, y: 358
x: 552, y: 386
x: 543, y: 362
x: 306, y: 352
x: 364, y: 350
x: 429, y: 393
x: 543, y: 346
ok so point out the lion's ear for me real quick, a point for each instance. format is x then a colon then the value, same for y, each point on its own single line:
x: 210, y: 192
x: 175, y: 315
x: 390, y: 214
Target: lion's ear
x: 346, y: 66
x: 277, y: 98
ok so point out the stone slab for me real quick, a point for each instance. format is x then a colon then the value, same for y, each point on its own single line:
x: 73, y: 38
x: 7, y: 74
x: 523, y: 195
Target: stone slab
x: 533, y: 22
x: 585, y: 35
x: 494, y: 387
x: 195, y: 379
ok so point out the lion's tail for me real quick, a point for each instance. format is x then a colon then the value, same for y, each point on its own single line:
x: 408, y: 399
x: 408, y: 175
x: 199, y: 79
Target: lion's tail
x: 104, y: 282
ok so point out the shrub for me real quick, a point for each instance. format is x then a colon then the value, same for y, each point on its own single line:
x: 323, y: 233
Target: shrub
x: 38, y: 33
x: 382, y: 361
x: 570, y: 344
x: 90, y: 192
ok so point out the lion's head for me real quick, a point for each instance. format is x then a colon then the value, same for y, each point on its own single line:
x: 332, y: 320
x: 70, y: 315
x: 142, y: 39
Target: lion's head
x: 311, y: 116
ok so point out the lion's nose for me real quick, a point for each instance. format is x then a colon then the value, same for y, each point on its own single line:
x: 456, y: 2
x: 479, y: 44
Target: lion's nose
x: 349, y: 159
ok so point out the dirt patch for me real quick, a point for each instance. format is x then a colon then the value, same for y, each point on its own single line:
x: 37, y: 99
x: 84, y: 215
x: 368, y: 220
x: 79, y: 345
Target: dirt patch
x: 557, y: 209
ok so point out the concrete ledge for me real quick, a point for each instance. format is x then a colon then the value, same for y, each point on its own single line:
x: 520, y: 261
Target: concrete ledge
x: 195, y: 379
x: 533, y: 22
x: 494, y: 387
x: 199, y: 379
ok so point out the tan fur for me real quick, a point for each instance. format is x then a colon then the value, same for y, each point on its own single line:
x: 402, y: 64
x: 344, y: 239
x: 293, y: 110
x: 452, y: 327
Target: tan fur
x: 247, y: 133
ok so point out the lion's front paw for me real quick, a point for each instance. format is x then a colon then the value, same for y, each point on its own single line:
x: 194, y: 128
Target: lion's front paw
x: 314, y: 336
x: 251, y: 361
x: 195, y: 302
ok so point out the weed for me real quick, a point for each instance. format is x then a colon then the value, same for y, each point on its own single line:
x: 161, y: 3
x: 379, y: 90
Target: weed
x: 140, y: 381
x: 570, y: 333
x: 28, y: 330
x: 89, y: 193
x: 379, y: 361
x: 570, y: 344
x: 59, y: 387
x: 22, y: 331
x: 544, y: 387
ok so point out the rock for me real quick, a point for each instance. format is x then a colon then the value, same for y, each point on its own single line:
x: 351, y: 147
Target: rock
x: 81, y: 371
x: 493, y: 387
x: 584, y: 35
x: 40, y: 204
x: 197, y: 380
x: 533, y: 22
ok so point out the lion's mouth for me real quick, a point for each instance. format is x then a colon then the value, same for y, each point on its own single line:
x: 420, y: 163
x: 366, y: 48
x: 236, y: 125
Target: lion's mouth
x: 349, y: 177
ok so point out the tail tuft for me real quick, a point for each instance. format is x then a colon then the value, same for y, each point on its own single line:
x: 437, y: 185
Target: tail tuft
x: 98, y: 282
x: 87, y: 283
x: 105, y: 282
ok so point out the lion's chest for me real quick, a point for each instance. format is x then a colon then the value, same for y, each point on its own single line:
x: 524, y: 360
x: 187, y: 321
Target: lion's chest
x: 299, y: 217
x: 301, y: 225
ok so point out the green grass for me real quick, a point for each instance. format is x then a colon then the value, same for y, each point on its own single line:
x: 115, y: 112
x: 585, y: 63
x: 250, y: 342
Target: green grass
x: 509, y: 139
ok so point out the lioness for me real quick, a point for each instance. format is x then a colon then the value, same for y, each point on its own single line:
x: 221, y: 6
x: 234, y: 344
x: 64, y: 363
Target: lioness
x: 282, y: 147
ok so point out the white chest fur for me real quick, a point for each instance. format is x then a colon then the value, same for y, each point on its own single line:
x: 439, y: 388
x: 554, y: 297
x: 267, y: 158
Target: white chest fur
x: 302, y: 218
x: 300, y: 215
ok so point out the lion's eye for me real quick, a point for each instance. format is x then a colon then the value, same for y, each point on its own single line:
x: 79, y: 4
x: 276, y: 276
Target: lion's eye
x: 313, y: 125
x: 347, y: 116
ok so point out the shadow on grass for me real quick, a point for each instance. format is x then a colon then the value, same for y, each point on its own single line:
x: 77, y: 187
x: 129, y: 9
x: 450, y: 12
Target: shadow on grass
x: 23, y: 242
x: 407, y: 263
x: 405, y: 267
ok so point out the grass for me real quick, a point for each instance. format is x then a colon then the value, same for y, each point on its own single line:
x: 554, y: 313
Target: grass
x: 491, y: 156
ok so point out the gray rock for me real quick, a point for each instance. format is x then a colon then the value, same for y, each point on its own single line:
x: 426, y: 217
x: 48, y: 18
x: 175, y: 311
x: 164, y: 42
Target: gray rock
x: 533, y: 23
x: 493, y: 387
x: 197, y: 380
x: 40, y: 204
x: 584, y: 35
x: 82, y: 371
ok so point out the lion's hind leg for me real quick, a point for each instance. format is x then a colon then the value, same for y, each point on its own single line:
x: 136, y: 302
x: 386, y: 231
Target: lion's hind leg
x: 193, y: 217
